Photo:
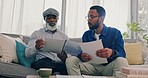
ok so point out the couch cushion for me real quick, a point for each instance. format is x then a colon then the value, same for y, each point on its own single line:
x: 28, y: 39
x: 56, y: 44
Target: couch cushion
x: 15, y: 70
x: 7, y: 49
x: 20, y: 49
x: 134, y: 53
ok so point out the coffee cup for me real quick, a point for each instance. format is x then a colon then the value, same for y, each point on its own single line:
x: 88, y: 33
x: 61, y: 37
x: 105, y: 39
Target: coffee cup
x: 44, y: 72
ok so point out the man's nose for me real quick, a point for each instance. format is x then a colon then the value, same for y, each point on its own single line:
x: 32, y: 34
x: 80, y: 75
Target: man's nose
x: 89, y: 20
x: 51, y: 20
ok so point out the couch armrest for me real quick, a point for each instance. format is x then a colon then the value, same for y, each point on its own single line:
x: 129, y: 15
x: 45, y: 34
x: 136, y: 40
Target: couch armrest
x: 132, y: 40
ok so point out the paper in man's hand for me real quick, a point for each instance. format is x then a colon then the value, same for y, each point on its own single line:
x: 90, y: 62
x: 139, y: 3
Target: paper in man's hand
x: 91, y: 48
x: 53, y: 45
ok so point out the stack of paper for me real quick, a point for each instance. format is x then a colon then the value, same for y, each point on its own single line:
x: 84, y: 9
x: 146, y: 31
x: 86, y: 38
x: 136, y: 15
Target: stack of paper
x: 140, y: 71
x: 122, y: 75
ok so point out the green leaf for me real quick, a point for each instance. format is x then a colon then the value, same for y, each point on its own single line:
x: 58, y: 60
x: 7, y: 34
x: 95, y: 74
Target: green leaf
x: 125, y: 35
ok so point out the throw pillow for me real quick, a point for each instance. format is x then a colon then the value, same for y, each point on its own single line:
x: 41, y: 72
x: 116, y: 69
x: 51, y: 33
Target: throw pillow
x: 7, y: 49
x: 20, y: 49
x: 134, y: 53
x: 13, y: 45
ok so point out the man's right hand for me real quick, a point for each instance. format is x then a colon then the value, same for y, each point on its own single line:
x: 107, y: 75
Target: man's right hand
x: 39, y: 44
x: 86, y: 57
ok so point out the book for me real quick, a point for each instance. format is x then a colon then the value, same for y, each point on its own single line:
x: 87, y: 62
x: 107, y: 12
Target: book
x: 122, y: 75
x: 91, y: 48
x: 135, y: 70
x: 138, y: 66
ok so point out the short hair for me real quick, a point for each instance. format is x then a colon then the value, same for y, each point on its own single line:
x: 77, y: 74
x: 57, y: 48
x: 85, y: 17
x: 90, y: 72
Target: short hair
x: 100, y: 10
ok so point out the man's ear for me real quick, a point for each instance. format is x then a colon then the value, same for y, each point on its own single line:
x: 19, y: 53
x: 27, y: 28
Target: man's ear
x: 101, y: 18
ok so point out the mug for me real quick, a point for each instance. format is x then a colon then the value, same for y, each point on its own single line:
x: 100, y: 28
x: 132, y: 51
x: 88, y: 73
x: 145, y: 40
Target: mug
x: 44, y: 72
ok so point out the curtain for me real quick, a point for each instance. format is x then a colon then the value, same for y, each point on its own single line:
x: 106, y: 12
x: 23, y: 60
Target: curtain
x: 117, y: 15
x: 75, y: 17
x: 25, y: 16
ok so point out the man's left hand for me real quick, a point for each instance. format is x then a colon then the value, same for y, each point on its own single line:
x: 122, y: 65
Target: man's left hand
x: 104, y: 53
x: 62, y: 56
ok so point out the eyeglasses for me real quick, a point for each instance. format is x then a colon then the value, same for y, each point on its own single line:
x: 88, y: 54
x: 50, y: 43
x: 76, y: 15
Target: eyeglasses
x: 91, y: 17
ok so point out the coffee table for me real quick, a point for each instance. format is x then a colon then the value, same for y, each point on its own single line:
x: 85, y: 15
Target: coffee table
x: 37, y: 76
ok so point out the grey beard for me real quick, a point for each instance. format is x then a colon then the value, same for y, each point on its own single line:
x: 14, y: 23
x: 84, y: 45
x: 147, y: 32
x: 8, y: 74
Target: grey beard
x: 52, y: 24
x: 52, y: 28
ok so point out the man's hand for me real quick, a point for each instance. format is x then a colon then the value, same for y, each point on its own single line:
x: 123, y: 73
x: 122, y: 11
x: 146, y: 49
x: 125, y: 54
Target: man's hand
x: 39, y: 44
x: 104, y: 53
x: 86, y: 57
x: 62, y: 56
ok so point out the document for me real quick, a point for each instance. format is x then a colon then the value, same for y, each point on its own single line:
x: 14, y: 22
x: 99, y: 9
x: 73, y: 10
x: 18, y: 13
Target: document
x: 72, y: 48
x: 54, y: 45
x: 68, y: 76
x: 91, y: 48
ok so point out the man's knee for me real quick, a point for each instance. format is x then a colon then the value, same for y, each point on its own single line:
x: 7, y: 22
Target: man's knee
x: 72, y: 60
x: 122, y: 61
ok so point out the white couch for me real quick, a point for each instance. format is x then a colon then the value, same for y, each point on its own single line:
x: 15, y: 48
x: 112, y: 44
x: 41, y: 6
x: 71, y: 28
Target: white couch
x: 16, y: 70
x: 136, y: 52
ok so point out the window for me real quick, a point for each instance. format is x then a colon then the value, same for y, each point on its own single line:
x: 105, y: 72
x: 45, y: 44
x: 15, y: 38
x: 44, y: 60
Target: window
x: 142, y: 19
x: 143, y: 14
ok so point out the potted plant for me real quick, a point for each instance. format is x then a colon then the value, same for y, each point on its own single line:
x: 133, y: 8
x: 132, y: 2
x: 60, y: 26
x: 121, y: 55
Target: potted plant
x: 137, y: 30
x: 134, y: 27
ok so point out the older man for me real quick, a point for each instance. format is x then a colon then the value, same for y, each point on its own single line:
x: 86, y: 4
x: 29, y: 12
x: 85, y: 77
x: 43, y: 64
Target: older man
x: 34, y: 49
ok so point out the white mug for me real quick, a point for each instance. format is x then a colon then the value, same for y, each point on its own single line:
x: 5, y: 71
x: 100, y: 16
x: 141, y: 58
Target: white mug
x: 44, y: 72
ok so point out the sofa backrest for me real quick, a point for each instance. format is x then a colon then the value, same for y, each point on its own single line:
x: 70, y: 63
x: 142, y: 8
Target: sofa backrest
x: 131, y: 40
x: 76, y: 39
x: 26, y: 38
